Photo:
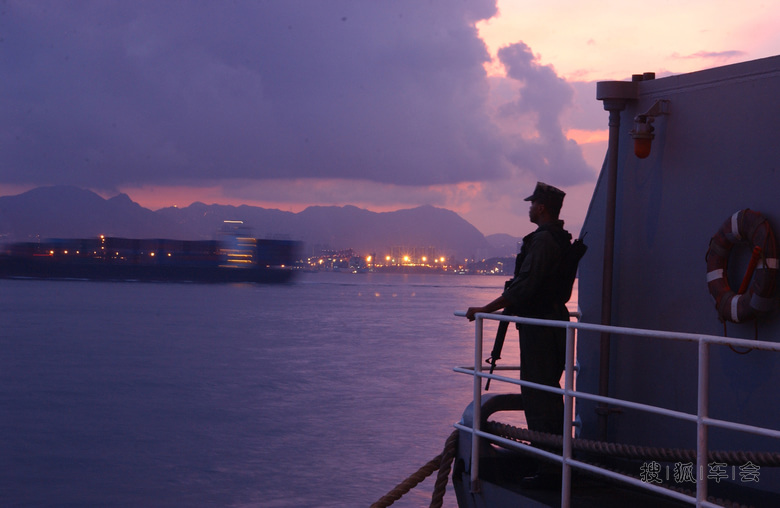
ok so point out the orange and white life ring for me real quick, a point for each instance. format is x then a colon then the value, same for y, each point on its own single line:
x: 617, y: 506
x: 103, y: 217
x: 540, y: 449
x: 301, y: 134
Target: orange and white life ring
x: 758, y: 297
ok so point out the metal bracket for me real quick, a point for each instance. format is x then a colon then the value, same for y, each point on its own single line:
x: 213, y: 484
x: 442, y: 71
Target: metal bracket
x: 659, y: 107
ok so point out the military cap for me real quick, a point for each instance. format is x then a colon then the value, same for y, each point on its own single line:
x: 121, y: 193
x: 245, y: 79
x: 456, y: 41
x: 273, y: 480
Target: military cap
x: 547, y: 194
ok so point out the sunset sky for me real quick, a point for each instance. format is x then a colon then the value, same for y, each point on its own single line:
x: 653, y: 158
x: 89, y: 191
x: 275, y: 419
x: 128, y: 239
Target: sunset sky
x: 383, y: 105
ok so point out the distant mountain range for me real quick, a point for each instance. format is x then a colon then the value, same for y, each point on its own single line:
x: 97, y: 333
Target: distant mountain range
x: 70, y: 212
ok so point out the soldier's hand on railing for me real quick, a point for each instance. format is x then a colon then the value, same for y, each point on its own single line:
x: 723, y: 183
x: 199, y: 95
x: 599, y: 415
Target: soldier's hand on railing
x: 472, y: 311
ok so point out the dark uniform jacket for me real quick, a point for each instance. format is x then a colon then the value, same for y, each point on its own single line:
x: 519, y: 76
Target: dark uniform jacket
x: 531, y: 292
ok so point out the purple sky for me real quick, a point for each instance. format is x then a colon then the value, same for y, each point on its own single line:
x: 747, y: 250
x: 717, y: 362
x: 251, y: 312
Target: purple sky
x: 384, y: 105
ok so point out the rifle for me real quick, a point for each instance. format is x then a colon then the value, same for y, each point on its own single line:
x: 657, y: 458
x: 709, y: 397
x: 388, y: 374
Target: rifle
x: 562, y: 287
x: 498, y: 345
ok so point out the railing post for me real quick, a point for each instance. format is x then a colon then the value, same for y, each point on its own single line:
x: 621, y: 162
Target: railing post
x: 701, y: 427
x: 568, y: 409
x: 477, y: 404
x: 701, y: 417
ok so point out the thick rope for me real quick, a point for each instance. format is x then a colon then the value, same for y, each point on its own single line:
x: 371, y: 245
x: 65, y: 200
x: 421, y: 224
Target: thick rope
x: 641, y: 452
x: 447, y: 456
x: 632, y: 451
x: 408, y: 484
x: 442, y: 462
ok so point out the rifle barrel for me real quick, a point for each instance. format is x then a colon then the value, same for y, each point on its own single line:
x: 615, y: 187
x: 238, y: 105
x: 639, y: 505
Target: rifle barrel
x: 498, y: 345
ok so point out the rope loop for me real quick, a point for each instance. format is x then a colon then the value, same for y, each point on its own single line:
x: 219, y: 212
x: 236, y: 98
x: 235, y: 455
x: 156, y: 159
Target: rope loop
x: 441, y: 462
x: 759, y: 458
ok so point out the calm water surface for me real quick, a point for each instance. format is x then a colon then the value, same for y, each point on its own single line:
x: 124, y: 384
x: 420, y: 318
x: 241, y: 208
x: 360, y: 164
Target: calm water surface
x: 323, y: 393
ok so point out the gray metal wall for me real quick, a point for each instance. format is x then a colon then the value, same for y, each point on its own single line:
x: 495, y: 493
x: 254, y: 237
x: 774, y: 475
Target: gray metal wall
x: 718, y: 151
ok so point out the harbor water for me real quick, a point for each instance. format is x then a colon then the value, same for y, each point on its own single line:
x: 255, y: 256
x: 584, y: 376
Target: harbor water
x: 326, y: 392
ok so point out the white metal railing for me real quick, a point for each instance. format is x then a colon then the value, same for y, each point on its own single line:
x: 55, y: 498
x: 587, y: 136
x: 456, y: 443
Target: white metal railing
x: 701, y: 418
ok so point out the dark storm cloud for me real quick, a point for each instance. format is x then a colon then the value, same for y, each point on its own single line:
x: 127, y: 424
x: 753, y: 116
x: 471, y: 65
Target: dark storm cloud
x: 103, y: 94
x: 544, y: 97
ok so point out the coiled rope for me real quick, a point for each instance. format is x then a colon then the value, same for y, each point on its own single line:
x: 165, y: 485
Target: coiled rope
x: 442, y: 462
x: 638, y: 452
x: 768, y: 459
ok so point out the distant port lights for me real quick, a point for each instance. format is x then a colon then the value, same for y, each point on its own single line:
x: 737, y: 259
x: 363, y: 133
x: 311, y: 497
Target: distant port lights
x: 399, y: 257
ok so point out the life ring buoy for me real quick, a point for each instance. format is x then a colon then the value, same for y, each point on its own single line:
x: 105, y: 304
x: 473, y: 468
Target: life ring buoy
x: 751, y: 226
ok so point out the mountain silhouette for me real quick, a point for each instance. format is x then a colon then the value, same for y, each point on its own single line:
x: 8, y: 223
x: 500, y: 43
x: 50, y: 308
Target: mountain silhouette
x: 71, y: 212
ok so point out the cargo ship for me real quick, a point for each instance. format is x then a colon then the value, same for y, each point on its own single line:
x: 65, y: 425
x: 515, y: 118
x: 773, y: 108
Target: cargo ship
x: 232, y: 258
